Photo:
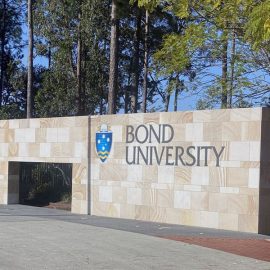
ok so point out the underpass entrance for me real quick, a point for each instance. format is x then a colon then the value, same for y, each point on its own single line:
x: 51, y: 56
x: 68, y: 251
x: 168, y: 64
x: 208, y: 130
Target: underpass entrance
x: 45, y: 184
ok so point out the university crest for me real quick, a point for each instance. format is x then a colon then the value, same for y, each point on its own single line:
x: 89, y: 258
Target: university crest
x: 103, y: 142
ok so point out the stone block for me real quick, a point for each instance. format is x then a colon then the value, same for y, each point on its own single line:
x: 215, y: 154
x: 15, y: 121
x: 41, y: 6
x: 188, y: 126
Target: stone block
x: 248, y: 223
x: 165, y: 174
x: 134, y: 196
x: 45, y: 150
x: 200, y: 201
x: 239, y: 151
x: 25, y: 135
x: 232, y: 131
x: 165, y: 198
x: 220, y: 115
x: 194, y: 132
x: 209, y: 219
x: 182, y: 199
x: 182, y: 175
x: 218, y: 202
x: 105, y: 194
x: 254, y: 178
x: 63, y: 135
x: 200, y: 176
x: 237, y: 177
x: 212, y: 131
x: 228, y: 221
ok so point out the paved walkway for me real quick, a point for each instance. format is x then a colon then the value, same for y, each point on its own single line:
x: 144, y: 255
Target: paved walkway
x: 38, y: 238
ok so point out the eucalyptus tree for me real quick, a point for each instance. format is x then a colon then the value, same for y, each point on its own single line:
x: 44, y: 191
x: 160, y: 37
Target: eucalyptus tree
x: 10, y: 45
x: 149, y: 6
x: 113, y: 76
x: 76, y: 45
x: 29, y: 108
x: 210, y: 46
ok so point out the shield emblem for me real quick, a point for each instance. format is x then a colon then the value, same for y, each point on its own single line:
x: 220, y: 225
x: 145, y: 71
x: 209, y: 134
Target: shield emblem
x: 103, y: 143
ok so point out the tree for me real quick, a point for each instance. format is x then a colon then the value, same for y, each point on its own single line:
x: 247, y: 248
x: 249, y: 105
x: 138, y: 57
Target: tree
x: 80, y: 92
x: 77, y: 43
x: 150, y: 6
x: 30, y: 60
x: 257, y: 28
x: 135, y: 64
x: 209, y: 41
x: 10, y: 46
x: 113, y: 75
x: 3, y: 42
x: 146, y: 60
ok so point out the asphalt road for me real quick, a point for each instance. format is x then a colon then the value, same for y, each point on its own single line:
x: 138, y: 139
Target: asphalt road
x: 35, y: 238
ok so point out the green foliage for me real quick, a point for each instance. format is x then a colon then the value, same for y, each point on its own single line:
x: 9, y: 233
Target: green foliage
x: 177, y: 50
x: 56, y: 96
x: 10, y: 60
x: 197, y: 47
x: 258, y: 26
x: 189, y: 41
x: 150, y: 5
x: 61, y: 38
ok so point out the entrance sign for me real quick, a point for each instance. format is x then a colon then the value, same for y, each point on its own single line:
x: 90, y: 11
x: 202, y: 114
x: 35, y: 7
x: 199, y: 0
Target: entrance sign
x: 201, y: 168
x: 161, y: 153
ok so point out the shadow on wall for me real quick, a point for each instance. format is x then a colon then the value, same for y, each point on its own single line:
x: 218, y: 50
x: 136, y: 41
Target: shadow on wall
x: 264, y: 189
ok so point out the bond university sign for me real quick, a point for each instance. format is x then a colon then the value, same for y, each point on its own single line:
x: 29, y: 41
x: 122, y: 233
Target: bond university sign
x: 154, y: 145
x: 150, y: 145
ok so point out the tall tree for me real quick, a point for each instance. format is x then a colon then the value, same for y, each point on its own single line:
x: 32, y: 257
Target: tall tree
x: 10, y: 46
x: 79, y: 64
x: 146, y: 60
x: 113, y: 75
x: 135, y: 64
x: 30, y: 60
x: 149, y: 6
x: 3, y: 41
x: 77, y: 42
x: 224, y: 76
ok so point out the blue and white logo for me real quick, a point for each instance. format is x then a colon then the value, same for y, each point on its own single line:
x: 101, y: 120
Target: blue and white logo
x: 103, y: 142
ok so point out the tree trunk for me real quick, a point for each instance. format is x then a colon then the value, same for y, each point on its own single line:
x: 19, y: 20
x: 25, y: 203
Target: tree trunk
x: 135, y: 66
x: 83, y: 99
x: 127, y: 88
x: 79, y: 67
x: 30, y: 61
x: 232, y: 68
x: 49, y: 55
x: 224, y: 79
x: 101, y: 105
x: 146, y: 55
x: 178, y: 90
x: 113, y: 76
x: 3, y: 40
x: 167, y: 102
x: 176, y: 99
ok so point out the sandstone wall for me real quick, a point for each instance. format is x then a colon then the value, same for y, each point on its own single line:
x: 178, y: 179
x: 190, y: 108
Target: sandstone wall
x: 225, y: 197
x: 59, y: 140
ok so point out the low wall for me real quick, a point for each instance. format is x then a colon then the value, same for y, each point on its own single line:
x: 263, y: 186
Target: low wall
x: 201, y: 168
x: 59, y: 140
x: 214, y: 183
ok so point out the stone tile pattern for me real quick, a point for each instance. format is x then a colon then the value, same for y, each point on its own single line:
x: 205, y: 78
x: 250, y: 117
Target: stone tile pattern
x: 225, y: 197
x: 60, y: 140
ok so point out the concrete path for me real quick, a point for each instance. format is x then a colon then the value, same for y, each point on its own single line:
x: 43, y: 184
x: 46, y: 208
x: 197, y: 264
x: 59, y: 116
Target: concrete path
x: 34, y: 238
